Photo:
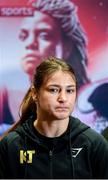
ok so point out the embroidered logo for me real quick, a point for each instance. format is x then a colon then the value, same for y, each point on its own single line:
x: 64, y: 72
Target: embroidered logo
x: 76, y: 151
x: 26, y: 156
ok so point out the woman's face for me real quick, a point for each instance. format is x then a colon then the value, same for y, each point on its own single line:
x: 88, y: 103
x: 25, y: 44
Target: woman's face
x: 41, y: 37
x: 56, y: 97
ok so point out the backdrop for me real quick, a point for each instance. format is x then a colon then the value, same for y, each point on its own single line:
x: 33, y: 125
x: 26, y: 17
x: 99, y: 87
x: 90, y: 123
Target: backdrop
x: 14, y: 82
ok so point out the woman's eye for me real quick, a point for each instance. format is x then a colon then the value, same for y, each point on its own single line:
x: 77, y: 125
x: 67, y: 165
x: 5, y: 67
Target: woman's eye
x: 70, y: 91
x: 53, y: 90
x: 23, y: 35
x: 45, y: 35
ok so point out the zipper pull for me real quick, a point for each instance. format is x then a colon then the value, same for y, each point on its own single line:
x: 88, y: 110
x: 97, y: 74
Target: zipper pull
x: 50, y: 153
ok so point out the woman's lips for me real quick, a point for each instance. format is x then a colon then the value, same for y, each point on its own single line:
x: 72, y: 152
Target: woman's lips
x: 31, y: 57
x: 62, y: 108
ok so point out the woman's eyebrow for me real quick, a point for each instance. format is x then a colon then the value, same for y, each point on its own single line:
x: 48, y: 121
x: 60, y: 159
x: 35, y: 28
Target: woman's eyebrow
x: 56, y: 85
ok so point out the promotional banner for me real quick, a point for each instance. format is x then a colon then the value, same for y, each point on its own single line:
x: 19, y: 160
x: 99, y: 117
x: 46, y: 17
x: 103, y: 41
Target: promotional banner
x: 31, y: 30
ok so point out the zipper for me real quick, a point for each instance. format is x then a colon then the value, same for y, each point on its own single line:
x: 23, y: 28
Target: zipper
x: 51, y: 168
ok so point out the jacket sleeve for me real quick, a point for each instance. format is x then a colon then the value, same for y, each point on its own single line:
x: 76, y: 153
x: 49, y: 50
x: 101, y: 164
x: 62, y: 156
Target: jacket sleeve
x: 3, y: 158
x: 100, y: 157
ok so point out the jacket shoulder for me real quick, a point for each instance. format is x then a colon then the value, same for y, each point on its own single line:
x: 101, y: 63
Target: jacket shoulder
x: 97, y: 141
x: 10, y: 138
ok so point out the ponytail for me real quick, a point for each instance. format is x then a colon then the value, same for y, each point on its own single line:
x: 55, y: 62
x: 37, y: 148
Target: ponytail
x: 27, y: 109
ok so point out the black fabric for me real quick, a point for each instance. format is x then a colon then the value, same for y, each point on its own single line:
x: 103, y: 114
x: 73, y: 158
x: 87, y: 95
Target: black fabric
x: 77, y: 153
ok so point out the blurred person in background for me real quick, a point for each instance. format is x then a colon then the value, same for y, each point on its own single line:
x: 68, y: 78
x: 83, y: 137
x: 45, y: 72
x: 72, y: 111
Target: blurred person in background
x: 95, y: 103
x: 105, y: 133
x: 54, y: 29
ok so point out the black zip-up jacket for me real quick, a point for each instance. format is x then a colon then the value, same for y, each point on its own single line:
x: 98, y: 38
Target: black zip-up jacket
x: 78, y: 153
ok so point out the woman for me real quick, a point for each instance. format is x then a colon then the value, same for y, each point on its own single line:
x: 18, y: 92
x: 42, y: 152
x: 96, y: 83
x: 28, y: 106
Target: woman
x: 54, y: 30
x: 47, y: 142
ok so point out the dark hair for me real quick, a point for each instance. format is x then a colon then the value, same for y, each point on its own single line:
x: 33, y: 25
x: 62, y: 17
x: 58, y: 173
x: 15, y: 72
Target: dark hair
x: 99, y: 99
x: 45, y: 69
x: 48, y: 67
x: 65, y: 12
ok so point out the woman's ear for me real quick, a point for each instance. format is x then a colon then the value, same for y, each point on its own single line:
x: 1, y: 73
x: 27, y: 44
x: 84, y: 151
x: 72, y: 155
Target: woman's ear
x: 33, y: 93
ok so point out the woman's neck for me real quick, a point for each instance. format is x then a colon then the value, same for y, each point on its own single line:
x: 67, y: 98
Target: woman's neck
x: 51, y: 128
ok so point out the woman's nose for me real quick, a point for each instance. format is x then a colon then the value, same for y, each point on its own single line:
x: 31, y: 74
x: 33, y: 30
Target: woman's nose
x: 31, y: 42
x: 62, y: 97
